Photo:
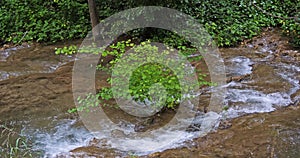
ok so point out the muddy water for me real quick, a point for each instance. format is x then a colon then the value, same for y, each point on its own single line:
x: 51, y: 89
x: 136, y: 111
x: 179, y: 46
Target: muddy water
x: 31, y: 79
x: 262, y: 119
x: 35, y: 90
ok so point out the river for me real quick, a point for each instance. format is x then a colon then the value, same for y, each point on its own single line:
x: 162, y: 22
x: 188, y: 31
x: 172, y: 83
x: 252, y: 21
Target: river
x: 261, y: 118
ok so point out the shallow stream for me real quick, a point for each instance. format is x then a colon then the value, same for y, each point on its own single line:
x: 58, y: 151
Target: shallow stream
x: 36, y: 94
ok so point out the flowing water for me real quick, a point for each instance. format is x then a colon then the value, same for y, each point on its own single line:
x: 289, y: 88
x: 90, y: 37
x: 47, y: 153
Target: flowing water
x: 36, y: 93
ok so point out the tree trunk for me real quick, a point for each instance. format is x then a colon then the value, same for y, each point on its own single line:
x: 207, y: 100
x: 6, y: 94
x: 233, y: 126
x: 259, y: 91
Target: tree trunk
x: 94, y: 18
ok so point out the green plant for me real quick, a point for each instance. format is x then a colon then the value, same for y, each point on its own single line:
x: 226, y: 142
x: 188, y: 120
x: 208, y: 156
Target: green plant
x: 227, y: 21
x: 86, y: 103
x: 231, y: 21
x: 145, y: 76
x: 116, y: 50
x: 66, y: 50
x: 292, y: 29
x: 132, y: 155
x: 225, y: 108
x: 43, y: 21
x: 90, y: 101
x: 156, y: 81
x: 13, y: 144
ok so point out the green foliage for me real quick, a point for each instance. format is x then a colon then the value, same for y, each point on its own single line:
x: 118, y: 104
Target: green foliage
x: 93, y: 100
x: 86, y: 103
x: 143, y: 77
x: 292, y: 29
x: 228, y: 21
x: 116, y: 50
x: 225, y: 108
x: 231, y: 21
x: 172, y: 39
x: 66, y: 50
x: 148, y: 80
x: 43, y: 21
x: 150, y: 74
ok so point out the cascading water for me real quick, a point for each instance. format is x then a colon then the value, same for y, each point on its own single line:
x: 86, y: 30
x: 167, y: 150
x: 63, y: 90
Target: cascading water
x: 53, y: 136
x: 241, y: 99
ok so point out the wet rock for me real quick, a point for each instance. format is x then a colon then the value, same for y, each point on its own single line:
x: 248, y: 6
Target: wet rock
x: 37, y: 93
x: 142, y: 125
x: 204, y: 100
x: 5, y: 46
x: 93, y: 151
x: 204, y: 122
x: 266, y: 80
x: 250, y: 136
x: 118, y: 133
x: 140, y: 128
x: 98, y: 142
x: 224, y: 124
x: 239, y: 78
x: 155, y: 155
x: 196, y: 124
x: 296, y: 97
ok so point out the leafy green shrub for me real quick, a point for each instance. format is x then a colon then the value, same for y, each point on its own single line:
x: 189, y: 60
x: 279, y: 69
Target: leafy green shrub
x: 228, y: 21
x: 145, y: 76
x: 148, y: 80
x: 231, y: 21
x: 292, y: 29
x: 43, y: 21
x: 86, y: 103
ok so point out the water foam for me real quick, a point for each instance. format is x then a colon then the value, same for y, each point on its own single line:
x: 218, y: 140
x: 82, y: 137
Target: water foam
x: 240, y: 66
x: 62, y: 138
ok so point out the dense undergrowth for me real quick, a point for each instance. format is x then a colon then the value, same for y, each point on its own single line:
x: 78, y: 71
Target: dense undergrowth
x: 228, y: 21
x: 43, y: 21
